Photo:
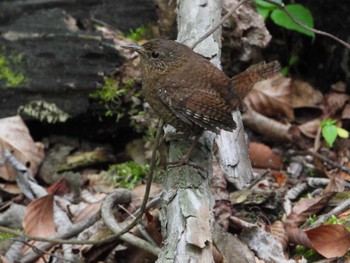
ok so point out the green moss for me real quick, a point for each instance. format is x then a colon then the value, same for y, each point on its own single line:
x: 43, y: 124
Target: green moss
x: 4, y: 236
x: 118, y: 98
x: 137, y: 34
x: 8, y: 76
x: 126, y: 175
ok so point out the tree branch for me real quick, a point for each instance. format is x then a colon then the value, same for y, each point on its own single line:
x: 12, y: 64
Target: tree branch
x: 316, y: 31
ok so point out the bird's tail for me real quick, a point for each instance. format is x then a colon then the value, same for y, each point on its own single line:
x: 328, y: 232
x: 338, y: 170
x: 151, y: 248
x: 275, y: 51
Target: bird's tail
x: 244, y: 82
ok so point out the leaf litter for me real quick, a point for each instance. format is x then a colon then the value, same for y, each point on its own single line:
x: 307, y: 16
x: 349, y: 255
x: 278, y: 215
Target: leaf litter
x: 281, y: 209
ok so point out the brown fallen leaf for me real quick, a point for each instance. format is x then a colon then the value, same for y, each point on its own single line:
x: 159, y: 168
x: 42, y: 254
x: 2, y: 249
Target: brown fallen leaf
x: 263, y: 157
x: 305, y: 95
x: 345, y: 176
x: 11, y: 188
x: 339, y: 86
x: 14, y: 136
x: 280, y: 177
x: 310, y: 128
x: 269, y: 128
x: 297, y: 236
x: 336, y: 101
x: 60, y: 187
x: 271, y: 97
x: 305, y: 208
x: 279, y: 232
x: 346, y: 112
x: 38, y: 219
x: 330, y: 240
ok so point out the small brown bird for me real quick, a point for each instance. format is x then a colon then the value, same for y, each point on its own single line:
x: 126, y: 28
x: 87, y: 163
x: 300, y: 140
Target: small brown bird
x: 190, y: 93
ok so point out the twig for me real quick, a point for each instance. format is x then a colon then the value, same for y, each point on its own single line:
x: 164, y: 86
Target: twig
x: 69, y: 232
x: 323, y: 33
x: 58, y: 238
x: 218, y: 24
x: 241, y: 224
x: 42, y: 252
x: 138, y: 216
x: 327, y: 160
x: 283, y: 8
x: 112, y: 224
x: 335, y: 211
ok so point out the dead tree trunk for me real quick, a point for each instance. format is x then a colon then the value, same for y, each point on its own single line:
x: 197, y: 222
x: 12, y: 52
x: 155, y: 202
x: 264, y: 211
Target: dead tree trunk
x: 187, y: 210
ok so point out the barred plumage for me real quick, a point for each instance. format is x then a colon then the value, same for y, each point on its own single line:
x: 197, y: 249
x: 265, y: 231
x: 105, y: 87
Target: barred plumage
x: 190, y: 93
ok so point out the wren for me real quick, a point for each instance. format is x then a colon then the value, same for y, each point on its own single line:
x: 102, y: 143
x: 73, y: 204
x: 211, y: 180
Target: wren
x: 190, y: 93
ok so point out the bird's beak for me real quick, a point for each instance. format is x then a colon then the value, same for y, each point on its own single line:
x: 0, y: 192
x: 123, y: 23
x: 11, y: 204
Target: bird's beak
x: 132, y: 47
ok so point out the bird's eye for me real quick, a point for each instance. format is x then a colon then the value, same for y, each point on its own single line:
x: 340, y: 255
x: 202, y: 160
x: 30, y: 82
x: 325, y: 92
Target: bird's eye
x: 155, y: 54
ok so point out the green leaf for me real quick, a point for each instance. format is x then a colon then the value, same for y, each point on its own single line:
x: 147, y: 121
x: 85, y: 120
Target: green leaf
x: 285, y: 71
x: 342, y: 133
x: 300, y: 13
x: 293, y: 59
x: 267, y: 5
x: 328, y: 122
x: 329, y: 133
x: 264, y: 12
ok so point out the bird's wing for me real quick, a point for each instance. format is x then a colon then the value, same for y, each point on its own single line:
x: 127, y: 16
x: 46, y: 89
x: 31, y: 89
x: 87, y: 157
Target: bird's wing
x: 203, y: 107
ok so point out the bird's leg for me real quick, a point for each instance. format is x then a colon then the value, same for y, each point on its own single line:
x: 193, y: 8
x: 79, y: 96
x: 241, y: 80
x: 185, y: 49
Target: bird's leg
x: 186, y: 159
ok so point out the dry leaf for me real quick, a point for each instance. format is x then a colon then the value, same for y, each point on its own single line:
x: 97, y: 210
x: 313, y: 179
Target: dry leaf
x: 269, y: 128
x: 335, y: 185
x: 271, y: 97
x: 15, y: 137
x: 305, y: 208
x: 280, y: 177
x: 346, y: 112
x: 10, y: 188
x: 231, y: 247
x: 263, y: 157
x: 304, y: 95
x: 60, y: 188
x: 38, y: 219
x: 330, y: 240
x: 339, y: 86
x: 310, y: 128
x: 279, y: 232
x: 298, y: 237
x: 336, y: 101
x: 343, y: 175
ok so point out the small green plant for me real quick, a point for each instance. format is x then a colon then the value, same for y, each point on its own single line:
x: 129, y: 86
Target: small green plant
x: 333, y: 220
x: 309, y: 254
x: 43, y: 111
x: 111, y: 95
x: 11, y: 78
x: 126, y: 175
x: 280, y: 18
x: 137, y: 34
x: 4, y: 236
x: 339, y: 221
x: 330, y: 131
x: 311, y: 219
x: 292, y: 61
